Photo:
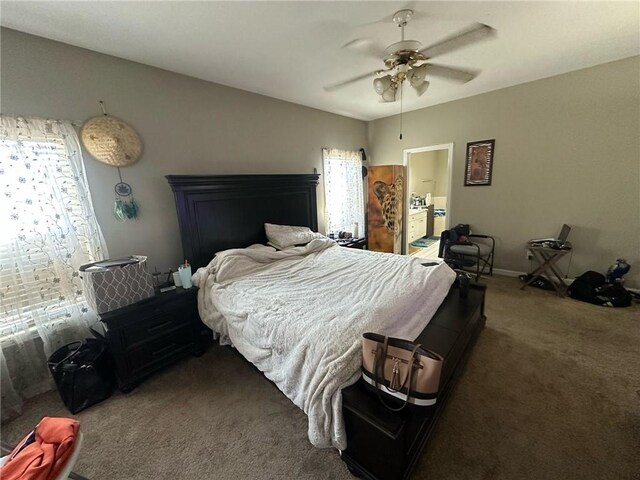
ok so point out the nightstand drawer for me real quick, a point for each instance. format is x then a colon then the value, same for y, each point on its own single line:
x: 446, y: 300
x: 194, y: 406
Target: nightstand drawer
x: 160, y: 324
x: 159, y: 349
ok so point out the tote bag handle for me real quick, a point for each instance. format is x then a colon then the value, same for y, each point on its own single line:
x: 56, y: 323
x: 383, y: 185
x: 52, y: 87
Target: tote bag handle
x: 54, y: 366
x: 379, y: 363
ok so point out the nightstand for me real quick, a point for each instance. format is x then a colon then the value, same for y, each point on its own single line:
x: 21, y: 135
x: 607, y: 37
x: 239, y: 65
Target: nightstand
x: 152, y: 334
x: 360, y: 243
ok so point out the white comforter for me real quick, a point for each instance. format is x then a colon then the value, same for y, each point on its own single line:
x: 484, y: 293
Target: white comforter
x: 299, y: 315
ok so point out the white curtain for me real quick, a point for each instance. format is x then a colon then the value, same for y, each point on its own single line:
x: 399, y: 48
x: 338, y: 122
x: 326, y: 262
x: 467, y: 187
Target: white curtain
x: 48, y: 230
x: 343, y: 190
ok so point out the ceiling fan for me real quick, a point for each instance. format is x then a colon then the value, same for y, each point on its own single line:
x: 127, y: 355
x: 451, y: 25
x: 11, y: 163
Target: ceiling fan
x: 408, y: 60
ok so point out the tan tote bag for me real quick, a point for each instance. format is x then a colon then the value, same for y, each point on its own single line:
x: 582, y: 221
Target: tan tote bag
x: 400, y: 369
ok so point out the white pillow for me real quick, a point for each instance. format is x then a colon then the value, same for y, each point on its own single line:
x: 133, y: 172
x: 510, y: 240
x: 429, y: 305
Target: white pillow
x: 283, y: 236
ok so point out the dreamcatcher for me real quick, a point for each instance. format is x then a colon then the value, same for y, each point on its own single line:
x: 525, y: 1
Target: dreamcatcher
x: 114, y: 142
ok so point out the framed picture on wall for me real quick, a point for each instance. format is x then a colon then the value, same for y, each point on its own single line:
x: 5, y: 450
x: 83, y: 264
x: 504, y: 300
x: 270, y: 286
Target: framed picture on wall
x: 479, y: 163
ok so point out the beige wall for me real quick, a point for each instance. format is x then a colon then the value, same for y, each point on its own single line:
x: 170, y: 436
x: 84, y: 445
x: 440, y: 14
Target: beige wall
x: 567, y: 150
x: 188, y: 126
x: 432, y: 165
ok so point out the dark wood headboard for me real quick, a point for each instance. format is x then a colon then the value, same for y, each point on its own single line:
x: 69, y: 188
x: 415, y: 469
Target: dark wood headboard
x: 217, y: 212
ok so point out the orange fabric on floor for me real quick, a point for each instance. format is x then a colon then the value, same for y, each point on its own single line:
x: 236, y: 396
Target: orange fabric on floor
x: 45, y: 458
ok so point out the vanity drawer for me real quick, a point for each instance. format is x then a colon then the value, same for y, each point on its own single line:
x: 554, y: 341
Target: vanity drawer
x: 412, y: 232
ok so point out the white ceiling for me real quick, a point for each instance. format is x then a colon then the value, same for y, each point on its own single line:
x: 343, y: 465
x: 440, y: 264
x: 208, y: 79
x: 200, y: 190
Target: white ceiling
x: 289, y: 50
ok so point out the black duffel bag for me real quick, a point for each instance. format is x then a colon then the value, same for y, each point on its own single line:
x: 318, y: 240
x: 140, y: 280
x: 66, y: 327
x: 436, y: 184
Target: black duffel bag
x: 83, y: 373
x: 591, y: 287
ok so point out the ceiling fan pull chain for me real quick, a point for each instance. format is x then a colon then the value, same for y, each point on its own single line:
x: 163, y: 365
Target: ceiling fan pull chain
x: 401, y: 111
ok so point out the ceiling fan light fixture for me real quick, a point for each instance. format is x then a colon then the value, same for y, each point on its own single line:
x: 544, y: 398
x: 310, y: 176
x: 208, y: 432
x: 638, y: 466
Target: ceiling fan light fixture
x: 417, y: 75
x: 420, y: 89
x: 382, y: 84
x: 389, y: 95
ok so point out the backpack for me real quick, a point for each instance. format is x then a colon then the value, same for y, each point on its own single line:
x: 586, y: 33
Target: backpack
x: 454, y: 236
x: 591, y: 287
x: 613, y: 295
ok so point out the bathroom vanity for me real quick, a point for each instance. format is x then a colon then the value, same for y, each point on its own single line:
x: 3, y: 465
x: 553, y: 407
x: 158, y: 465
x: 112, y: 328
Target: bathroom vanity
x: 420, y: 223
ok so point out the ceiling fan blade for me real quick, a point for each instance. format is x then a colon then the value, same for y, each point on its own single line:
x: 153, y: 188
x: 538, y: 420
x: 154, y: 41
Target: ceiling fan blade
x: 451, y: 73
x: 365, y: 46
x: 476, y: 33
x: 335, y: 86
x: 420, y: 89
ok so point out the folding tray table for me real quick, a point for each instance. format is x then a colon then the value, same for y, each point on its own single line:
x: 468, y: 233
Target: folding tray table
x: 548, y: 257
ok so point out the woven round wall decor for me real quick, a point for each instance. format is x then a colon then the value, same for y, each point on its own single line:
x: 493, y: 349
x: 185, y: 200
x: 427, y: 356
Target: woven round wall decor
x: 111, y: 140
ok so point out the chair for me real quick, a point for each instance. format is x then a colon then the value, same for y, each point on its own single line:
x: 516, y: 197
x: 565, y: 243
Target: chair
x: 477, y: 252
x: 66, y: 472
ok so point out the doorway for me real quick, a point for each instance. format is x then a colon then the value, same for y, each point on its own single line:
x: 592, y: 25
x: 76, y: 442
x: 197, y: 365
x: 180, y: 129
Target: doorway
x: 428, y: 198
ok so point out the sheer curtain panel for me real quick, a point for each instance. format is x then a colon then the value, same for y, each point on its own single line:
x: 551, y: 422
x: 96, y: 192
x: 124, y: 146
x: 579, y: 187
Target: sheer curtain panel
x: 48, y: 230
x: 343, y: 190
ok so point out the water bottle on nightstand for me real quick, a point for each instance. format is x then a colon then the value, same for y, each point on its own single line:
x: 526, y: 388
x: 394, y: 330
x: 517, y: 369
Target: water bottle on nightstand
x: 185, y: 274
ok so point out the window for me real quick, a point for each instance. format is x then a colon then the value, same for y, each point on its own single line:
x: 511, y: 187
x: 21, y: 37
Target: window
x: 48, y: 225
x: 344, y: 197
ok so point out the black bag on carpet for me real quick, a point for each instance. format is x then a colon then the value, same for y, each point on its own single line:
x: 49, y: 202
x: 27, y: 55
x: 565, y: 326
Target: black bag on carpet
x: 584, y: 287
x: 83, y: 373
x: 613, y: 295
x: 591, y: 287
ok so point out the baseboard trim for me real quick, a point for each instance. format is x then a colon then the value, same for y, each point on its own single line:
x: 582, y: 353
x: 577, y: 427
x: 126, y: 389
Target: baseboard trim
x: 507, y: 273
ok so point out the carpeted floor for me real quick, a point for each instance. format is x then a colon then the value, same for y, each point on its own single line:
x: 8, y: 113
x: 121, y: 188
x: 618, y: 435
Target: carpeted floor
x: 551, y: 391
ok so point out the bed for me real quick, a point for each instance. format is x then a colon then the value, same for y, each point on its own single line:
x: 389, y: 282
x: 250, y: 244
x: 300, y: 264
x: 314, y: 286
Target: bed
x: 240, y: 299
